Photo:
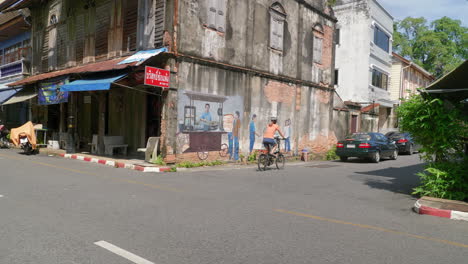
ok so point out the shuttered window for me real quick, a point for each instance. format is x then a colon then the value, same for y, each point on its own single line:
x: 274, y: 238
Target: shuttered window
x: 217, y: 15
x: 277, y: 20
x: 317, y: 55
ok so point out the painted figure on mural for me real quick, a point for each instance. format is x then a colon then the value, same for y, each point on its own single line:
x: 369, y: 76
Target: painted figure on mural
x: 205, y: 118
x: 287, y: 135
x: 235, y: 135
x: 252, y: 132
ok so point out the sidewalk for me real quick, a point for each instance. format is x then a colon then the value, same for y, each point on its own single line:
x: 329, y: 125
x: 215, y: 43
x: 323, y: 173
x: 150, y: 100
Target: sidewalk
x: 133, y: 164
x: 456, y: 210
x: 141, y: 165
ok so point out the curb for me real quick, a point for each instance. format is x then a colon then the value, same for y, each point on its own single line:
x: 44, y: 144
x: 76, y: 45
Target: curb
x: 452, y: 214
x: 116, y: 164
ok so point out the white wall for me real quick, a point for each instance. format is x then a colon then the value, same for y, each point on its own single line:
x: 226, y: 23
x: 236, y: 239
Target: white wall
x: 352, y: 54
x: 357, y: 55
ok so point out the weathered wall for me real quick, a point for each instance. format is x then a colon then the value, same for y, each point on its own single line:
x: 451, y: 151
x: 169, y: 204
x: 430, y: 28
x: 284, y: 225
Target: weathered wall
x: 352, y: 54
x: 81, y: 33
x: 246, y: 40
x: 307, y: 109
x: 369, y: 122
x: 341, y: 123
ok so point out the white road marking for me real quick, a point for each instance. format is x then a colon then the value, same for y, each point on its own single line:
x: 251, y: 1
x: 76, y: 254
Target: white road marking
x: 1, y: 196
x: 122, y: 252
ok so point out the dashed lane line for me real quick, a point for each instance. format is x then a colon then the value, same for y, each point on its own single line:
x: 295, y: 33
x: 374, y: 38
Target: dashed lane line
x: 122, y: 252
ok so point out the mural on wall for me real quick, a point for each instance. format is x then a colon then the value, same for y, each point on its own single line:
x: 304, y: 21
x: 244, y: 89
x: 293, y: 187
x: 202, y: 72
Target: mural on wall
x: 208, y: 123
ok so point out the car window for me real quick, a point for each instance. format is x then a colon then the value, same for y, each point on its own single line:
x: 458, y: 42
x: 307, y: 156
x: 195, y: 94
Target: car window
x: 380, y: 137
x: 359, y: 136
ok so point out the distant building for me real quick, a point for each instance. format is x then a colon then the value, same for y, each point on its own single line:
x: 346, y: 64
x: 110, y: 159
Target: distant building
x: 406, y: 78
x: 364, y: 62
x: 15, y: 51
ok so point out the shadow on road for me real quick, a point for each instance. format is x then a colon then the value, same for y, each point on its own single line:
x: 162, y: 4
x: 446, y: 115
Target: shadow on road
x: 401, y: 179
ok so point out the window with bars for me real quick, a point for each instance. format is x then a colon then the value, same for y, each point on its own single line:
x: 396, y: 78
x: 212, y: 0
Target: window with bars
x: 217, y: 15
x: 277, y: 21
x: 379, y: 79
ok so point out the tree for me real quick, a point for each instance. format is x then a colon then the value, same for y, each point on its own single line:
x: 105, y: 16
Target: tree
x: 438, y: 46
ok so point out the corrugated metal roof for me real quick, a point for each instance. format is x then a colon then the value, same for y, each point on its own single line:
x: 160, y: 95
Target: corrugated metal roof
x: 92, y: 67
x: 5, y: 17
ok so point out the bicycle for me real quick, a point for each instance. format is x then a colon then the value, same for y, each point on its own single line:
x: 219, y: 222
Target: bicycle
x: 265, y: 159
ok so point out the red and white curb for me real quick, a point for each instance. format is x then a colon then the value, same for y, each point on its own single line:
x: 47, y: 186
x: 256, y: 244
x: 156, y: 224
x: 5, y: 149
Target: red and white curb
x: 452, y: 214
x: 116, y: 164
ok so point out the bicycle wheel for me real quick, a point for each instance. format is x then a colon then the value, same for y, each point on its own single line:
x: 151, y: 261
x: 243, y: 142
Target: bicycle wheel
x: 280, y: 161
x: 203, y: 153
x: 262, y: 162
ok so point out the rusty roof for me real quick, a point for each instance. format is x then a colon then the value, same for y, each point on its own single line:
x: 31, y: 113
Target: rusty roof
x: 5, y: 17
x: 88, y: 68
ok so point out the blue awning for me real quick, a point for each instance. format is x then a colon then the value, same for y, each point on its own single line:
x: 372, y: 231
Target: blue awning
x: 6, y: 94
x: 90, y: 84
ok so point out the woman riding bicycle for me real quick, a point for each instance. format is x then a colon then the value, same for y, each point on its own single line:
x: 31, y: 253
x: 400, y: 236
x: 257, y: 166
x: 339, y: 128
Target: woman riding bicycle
x: 269, y: 135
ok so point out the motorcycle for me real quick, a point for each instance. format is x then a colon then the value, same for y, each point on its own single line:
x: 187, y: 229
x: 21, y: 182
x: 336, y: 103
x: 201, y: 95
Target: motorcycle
x: 25, y: 144
x: 4, y: 132
x: 24, y: 137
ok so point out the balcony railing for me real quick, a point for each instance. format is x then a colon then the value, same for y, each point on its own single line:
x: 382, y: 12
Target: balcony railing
x: 15, y: 63
x: 20, y: 54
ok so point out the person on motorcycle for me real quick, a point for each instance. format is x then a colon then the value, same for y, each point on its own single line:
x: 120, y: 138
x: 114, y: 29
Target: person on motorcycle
x: 269, y: 135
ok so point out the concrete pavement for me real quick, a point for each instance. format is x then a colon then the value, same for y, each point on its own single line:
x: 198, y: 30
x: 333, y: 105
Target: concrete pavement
x: 54, y: 210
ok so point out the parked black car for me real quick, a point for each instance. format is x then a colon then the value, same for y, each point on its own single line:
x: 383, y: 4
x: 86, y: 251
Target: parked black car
x: 367, y: 145
x: 404, y: 142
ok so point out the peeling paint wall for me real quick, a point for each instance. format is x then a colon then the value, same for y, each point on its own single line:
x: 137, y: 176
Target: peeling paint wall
x: 246, y: 40
x: 309, y: 116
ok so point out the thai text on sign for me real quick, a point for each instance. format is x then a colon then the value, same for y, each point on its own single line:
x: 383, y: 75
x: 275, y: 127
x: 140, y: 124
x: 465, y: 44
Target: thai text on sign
x: 157, y: 77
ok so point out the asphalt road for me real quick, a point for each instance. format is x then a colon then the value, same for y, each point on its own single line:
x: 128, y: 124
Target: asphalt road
x: 54, y: 210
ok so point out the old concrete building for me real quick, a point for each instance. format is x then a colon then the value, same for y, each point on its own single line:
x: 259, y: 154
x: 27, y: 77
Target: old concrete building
x: 240, y: 62
x: 233, y: 64
x: 364, y: 61
x: 15, y: 56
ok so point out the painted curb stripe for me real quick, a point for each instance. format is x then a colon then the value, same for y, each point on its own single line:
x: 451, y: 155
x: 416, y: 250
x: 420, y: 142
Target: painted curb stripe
x: 116, y: 164
x: 457, y: 215
x: 451, y: 214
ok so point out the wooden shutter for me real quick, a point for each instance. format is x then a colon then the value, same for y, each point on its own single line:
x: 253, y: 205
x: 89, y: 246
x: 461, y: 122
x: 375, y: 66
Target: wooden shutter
x: 130, y: 25
x: 102, y: 28
x: 221, y: 15
x: 279, y: 34
x: 212, y: 13
x: 160, y: 15
x: 317, y: 50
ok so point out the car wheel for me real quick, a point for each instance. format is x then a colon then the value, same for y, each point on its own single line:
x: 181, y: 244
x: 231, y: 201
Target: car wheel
x: 410, y: 150
x: 344, y: 159
x: 394, y: 155
x: 376, y: 157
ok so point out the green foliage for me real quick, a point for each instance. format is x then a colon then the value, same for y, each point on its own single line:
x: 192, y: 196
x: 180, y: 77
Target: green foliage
x: 438, y: 47
x: 159, y: 161
x: 173, y: 169
x: 448, y: 180
x: 252, y: 157
x: 189, y: 164
x: 331, y: 154
x: 438, y: 127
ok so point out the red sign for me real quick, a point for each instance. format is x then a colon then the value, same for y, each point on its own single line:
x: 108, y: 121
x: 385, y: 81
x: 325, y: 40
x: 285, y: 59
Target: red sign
x: 157, y: 77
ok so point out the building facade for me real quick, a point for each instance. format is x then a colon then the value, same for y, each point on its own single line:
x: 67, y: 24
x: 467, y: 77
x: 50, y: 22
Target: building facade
x: 406, y: 78
x: 15, y: 52
x: 233, y: 64
x: 241, y: 62
x: 364, y: 62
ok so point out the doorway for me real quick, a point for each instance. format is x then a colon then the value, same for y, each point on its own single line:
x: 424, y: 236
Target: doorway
x: 354, y: 120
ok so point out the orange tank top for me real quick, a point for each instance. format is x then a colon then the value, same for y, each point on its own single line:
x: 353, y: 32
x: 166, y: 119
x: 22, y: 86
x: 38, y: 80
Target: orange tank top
x: 270, y: 131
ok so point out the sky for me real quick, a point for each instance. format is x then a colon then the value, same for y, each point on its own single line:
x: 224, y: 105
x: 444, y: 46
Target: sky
x: 429, y: 9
